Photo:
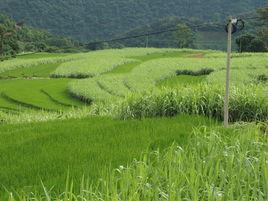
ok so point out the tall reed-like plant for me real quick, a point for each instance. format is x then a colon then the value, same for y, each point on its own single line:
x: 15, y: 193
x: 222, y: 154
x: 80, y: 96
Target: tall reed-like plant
x: 208, y: 100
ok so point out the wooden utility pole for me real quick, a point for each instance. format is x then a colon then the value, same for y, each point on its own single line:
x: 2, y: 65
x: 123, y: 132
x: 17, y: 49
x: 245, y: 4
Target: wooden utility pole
x: 227, y: 90
x: 147, y: 40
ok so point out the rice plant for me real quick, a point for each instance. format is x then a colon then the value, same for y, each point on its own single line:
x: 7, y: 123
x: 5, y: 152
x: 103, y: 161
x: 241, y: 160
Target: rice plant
x: 217, y: 164
x: 146, y: 75
x: 97, y: 63
x: 17, y: 63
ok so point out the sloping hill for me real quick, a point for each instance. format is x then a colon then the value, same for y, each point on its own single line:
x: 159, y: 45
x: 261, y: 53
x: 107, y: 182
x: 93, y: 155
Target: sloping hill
x: 96, y: 19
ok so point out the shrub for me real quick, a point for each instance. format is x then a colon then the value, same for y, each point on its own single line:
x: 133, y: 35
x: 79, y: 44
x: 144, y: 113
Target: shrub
x: 262, y: 78
x: 203, y: 71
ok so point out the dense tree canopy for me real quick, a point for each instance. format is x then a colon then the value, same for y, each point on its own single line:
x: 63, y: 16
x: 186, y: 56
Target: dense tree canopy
x: 88, y: 20
x: 183, y: 37
x: 258, y: 40
x: 16, y: 37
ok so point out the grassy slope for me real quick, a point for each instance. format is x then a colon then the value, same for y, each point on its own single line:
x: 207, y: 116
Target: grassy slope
x: 126, y: 68
x: 29, y: 92
x: 42, y: 70
x: 42, y: 55
x: 54, y: 92
x: 115, y: 84
x: 48, y: 150
x: 181, y: 80
x: 41, y: 93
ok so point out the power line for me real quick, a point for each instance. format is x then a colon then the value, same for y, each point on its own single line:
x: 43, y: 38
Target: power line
x: 242, y: 15
x: 151, y: 33
x: 168, y: 29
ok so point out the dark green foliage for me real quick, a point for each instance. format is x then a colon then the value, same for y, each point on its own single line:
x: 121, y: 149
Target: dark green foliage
x: 97, y: 19
x: 182, y: 38
x: 258, y: 41
x: 263, y: 32
x: 257, y: 45
x: 98, y: 46
x: 250, y: 43
x: 243, y: 42
x: 262, y: 78
x: 203, y: 71
x: 26, y: 39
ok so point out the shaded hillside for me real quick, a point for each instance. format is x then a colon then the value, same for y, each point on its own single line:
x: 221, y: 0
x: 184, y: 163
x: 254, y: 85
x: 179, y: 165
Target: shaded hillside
x: 87, y: 20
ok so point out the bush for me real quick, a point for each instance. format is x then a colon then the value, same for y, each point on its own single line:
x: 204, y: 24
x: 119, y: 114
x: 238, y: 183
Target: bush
x: 203, y: 71
x: 262, y: 78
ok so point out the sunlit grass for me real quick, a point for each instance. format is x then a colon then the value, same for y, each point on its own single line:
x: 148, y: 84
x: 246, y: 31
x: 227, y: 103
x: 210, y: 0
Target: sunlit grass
x: 215, y: 164
x: 47, y: 151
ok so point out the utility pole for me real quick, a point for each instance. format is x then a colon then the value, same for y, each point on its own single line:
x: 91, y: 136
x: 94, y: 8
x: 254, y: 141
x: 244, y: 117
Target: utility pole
x: 233, y: 26
x: 147, y: 37
x: 227, y: 89
x: 147, y: 40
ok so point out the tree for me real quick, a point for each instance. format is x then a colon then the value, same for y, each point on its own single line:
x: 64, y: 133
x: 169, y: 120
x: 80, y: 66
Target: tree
x: 263, y: 35
x: 250, y: 43
x: 263, y: 32
x: 243, y: 42
x: 8, y: 36
x: 263, y: 14
x: 257, y: 45
x: 89, y: 20
x: 15, y: 38
x: 98, y: 46
x: 184, y: 36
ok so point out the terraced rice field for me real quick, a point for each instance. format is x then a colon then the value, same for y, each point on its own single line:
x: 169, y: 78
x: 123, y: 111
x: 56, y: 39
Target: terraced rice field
x: 29, y: 82
x: 88, y: 113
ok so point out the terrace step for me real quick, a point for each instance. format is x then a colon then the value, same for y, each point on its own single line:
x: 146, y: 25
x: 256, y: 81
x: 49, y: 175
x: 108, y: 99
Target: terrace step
x: 55, y: 100
x: 24, y: 104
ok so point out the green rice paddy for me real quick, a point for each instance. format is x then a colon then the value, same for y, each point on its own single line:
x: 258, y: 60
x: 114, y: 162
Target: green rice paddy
x: 63, y: 114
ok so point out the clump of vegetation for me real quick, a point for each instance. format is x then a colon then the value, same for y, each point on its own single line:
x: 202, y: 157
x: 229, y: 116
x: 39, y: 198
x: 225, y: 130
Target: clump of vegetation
x: 203, y: 71
x: 259, y: 41
x: 16, y: 39
x: 245, y: 104
x: 262, y: 78
x: 216, y: 165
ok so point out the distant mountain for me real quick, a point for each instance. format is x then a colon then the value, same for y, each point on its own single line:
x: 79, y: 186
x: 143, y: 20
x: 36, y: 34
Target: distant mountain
x: 88, y: 20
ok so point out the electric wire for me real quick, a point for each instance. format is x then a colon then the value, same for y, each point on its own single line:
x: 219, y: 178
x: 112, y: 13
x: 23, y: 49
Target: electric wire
x: 153, y: 33
x: 172, y: 29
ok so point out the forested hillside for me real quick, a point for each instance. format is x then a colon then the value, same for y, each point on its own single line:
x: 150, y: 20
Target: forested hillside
x: 16, y: 37
x: 88, y: 20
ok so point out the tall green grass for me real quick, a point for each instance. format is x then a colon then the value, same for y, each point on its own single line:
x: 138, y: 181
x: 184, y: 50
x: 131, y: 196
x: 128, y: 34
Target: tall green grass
x: 17, y: 63
x: 39, y: 71
x: 203, y: 99
x: 216, y: 165
x: 99, y: 62
x: 87, y: 146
